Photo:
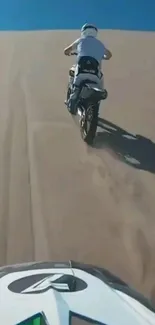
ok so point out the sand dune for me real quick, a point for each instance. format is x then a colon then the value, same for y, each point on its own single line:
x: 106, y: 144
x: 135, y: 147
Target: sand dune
x: 60, y: 199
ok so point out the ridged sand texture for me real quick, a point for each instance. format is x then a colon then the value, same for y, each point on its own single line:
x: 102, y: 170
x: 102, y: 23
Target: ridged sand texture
x: 60, y: 199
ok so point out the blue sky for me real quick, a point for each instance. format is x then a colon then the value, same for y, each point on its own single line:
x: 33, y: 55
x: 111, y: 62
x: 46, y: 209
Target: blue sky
x: 71, y: 14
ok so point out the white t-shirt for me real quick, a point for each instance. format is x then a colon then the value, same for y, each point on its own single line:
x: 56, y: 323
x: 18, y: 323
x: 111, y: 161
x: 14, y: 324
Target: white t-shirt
x: 89, y: 46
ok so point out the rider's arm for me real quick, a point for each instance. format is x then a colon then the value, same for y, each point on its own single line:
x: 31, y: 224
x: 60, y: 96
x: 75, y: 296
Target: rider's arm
x: 71, y: 48
x: 107, y: 54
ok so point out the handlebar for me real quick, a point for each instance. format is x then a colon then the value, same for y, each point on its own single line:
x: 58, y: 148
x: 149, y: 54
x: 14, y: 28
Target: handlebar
x: 104, y: 58
x: 74, y: 53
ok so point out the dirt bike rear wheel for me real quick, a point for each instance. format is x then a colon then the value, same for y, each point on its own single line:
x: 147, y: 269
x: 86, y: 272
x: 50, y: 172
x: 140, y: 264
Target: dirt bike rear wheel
x: 88, y: 124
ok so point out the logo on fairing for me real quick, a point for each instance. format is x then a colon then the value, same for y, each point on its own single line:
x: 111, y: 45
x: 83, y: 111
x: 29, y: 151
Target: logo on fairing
x: 39, y: 283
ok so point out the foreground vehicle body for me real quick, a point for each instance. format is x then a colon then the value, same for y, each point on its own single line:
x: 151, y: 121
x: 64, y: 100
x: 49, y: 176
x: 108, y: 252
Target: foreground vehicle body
x: 50, y: 293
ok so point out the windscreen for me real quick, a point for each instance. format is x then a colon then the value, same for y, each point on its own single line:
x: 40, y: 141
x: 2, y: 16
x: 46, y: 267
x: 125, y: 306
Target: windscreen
x: 34, y: 320
x: 77, y: 320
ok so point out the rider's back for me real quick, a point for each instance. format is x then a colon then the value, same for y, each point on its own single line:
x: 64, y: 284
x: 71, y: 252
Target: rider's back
x: 90, y: 46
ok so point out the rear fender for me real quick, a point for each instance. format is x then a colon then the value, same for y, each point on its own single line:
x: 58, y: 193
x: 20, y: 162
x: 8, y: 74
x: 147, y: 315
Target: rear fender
x: 97, y: 93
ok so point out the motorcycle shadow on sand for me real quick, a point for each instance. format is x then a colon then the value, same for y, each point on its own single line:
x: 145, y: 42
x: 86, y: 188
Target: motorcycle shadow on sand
x: 135, y: 150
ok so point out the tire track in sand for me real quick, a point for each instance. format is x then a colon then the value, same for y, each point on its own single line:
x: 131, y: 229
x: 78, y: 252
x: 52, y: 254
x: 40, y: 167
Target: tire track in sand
x: 16, y: 241
x: 4, y: 184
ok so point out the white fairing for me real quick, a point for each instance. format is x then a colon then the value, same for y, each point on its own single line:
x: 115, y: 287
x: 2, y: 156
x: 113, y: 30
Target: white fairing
x: 78, y: 78
x: 96, y: 301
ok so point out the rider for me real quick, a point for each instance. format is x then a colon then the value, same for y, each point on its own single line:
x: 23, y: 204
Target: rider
x: 90, y: 53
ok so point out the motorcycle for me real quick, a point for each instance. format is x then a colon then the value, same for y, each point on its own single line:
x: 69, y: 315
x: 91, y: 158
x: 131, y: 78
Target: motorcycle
x: 88, y: 105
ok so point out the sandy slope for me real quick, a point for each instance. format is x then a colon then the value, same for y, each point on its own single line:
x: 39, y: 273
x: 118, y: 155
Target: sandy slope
x: 60, y: 199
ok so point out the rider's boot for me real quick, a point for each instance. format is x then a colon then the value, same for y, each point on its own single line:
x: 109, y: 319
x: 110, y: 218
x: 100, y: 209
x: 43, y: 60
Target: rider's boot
x: 70, y: 83
x: 72, y: 102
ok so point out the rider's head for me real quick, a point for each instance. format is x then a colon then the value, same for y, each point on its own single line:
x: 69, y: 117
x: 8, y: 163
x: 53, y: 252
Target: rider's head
x: 89, y: 30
